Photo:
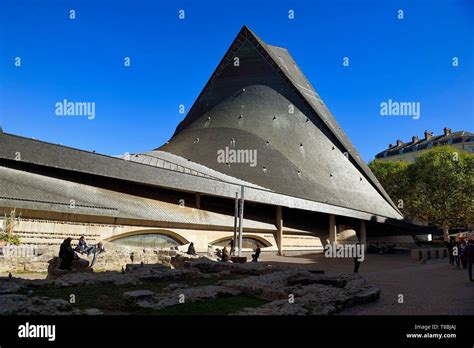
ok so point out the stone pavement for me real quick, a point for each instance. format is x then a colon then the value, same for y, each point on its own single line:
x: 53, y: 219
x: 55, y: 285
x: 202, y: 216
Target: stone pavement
x: 434, y: 288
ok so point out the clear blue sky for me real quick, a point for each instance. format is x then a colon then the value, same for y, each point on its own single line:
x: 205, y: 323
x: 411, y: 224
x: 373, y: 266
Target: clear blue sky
x: 172, y: 59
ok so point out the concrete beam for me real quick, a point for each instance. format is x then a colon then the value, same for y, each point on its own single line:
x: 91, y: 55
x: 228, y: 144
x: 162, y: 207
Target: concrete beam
x: 279, y: 230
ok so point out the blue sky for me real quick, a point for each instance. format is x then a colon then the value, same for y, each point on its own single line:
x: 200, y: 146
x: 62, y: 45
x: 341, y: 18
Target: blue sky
x: 172, y: 59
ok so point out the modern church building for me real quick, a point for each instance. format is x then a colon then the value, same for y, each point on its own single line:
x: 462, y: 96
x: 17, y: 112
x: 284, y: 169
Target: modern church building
x: 258, y: 126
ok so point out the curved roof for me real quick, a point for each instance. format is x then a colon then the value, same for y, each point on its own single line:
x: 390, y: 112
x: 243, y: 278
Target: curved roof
x: 259, y: 100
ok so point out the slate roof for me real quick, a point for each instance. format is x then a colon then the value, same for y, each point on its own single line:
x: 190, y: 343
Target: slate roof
x: 423, y: 144
x: 302, y: 154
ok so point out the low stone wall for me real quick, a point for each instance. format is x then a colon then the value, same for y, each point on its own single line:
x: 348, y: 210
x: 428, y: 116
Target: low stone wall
x: 113, y: 259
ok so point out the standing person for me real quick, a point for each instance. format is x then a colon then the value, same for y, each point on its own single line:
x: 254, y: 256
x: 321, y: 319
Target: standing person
x: 456, y: 250
x: 461, y: 254
x: 450, y: 246
x: 357, y: 258
x: 66, y: 254
x: 469, y: 255
x: 257, y: 254
x: 232, y: 247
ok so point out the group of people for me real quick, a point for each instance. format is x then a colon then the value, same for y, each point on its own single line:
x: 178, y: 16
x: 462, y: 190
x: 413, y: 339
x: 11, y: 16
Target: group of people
x: 224, y: 255
x: 67, y: 254
x: 461, y: 253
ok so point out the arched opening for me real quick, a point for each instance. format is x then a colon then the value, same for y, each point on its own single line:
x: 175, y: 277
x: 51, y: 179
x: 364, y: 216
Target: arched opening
x: 248, y: 242
x: 150, y: 239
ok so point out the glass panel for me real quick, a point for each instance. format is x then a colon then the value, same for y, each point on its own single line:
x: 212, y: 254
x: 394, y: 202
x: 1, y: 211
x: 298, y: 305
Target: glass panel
x: 151, y: 240
x: 247, y: 243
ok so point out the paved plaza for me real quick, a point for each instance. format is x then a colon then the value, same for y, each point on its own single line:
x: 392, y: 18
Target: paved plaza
x: 434, y: 288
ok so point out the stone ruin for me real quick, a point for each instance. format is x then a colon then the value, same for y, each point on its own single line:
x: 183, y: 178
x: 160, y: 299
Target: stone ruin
x: 288, y: 291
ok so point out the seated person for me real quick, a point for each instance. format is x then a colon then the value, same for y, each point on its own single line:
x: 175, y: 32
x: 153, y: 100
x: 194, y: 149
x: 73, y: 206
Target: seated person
x: 66, y: 254
x: 191, y: 249
x: 95, y: 251
x: 82, y: 246
x: 225, y: 255
x: 257, y: 254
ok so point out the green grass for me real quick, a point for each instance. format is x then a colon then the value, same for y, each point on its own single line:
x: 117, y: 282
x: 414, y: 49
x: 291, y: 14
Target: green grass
x: 109, y: 298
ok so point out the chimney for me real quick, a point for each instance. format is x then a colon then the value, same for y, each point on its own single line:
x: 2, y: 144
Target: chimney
x: 414, y: 139
x: 399, y: 142
x: 447, y: 130
x: 390, y: 146
x: 428, y: 135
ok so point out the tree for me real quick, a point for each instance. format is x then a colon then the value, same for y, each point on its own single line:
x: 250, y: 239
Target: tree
x: 442, y: 180
x: 438, y: 188
x: 394, y: 179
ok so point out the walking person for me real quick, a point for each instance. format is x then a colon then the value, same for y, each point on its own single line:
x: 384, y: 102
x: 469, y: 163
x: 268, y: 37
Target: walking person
x: 461, y: 254
x: 469, y: 255
x: 450, y: 246
x: 232, y: 247
x: 456, y: 251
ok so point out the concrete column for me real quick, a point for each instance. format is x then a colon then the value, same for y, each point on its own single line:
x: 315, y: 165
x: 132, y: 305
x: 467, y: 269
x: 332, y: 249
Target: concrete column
x: 363, y: 234
x: 279, y: 231
x: 198, y: 200
x: 332, y: 229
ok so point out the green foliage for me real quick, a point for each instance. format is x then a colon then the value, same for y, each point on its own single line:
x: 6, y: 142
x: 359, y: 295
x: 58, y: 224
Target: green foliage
x: 438, y: 188
x: 9, y: 223
x: 11, y: 239
x: 394, y: 178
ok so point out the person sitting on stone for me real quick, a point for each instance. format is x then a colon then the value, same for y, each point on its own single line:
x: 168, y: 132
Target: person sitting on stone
x: 225, y: 255
x: 95, y: 251
x: 82, y: 246
x: 257, y: 254
x: 191, y: 249
x: 66, y: 254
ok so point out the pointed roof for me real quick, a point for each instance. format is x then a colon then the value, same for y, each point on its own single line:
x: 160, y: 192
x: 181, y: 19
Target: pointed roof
x: 267, y: 68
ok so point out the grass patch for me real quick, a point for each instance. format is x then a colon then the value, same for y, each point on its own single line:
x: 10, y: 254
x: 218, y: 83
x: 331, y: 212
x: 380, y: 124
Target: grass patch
x: 109, y: 298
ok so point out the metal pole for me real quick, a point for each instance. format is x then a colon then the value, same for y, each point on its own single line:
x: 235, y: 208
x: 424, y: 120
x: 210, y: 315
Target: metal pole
x: 236, y: 214
x: 241, y: 217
